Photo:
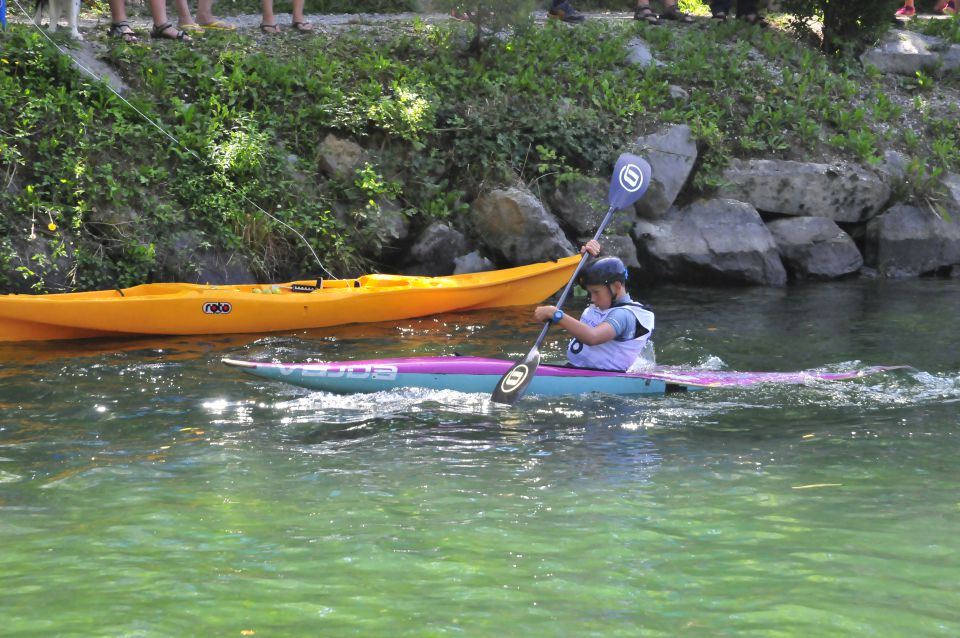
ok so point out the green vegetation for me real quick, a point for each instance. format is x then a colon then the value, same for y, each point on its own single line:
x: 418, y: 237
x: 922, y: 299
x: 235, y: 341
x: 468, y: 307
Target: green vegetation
x: 95, y: 196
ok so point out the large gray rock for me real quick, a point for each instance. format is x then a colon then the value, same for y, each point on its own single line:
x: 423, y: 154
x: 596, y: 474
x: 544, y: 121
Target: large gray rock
x: 621, y: 246
x: 841, y: 192
x: 638, y: 54
x: 339, y: 157
x: 906, y: 52
x: 581, y: 204
x: 951, y: 182
x: 815, y: 248
x: 514, y: 224
x: 710, y: 241
x: 435, y: 250
x: 86, y: 60
x: 671, y: 155
x: 472, y: 262
x: 907, y: 241
x: 383, y: 228
x: 191, y: 258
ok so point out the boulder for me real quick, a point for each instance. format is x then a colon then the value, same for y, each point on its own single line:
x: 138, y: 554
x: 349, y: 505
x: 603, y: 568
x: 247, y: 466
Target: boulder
x: 894, y: 165
x: 906, y: 52
x: 711, y: 242
x: 436, y: 249
x: 384, y: 228
x: 815, y: 248
x: 340, y: 158
x: 85, y: 58
x: 191, y: 258
x: 581, y: 203
x: 671, y: 154
x: 841, y: 192
x: 907, y: 241
x: 638, y: 54
x: 621, y: 246
x: 513, y: 224
x: 472, y: 262
x: 951, y: 181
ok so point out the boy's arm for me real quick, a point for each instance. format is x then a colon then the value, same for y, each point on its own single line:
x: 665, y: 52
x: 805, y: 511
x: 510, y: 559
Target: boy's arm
x: 591, y: 336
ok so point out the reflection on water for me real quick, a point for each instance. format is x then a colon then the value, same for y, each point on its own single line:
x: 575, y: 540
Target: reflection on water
x: 146, y: 489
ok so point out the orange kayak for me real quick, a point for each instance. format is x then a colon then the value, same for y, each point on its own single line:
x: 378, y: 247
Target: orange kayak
x: 193, y: 309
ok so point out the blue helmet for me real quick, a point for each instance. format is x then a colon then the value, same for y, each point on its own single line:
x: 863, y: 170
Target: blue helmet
x: 603, y: 271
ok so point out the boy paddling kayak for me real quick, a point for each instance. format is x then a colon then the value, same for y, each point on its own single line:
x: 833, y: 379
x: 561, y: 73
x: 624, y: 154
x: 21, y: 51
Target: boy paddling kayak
x: 613, y: 331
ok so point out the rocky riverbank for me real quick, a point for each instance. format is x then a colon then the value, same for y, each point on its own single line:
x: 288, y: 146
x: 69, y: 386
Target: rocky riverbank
x: 763, y: 194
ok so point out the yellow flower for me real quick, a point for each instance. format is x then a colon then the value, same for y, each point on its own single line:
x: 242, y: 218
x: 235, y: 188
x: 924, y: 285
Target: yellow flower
x: 52, y: 226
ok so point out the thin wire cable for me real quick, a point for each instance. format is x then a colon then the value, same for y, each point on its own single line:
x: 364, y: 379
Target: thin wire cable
x: 168, y: 135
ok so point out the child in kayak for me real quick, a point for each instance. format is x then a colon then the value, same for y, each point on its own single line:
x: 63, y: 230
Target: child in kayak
x: 614, y: 330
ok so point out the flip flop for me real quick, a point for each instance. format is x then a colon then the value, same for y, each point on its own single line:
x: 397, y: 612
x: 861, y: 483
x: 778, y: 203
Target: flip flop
x: 218, y: 25
x: 270, y: 29
x: 302, y: 26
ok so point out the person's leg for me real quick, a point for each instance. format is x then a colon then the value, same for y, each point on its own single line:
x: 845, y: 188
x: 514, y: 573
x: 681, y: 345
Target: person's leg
x: 644, y: 13
x: 672, y: 12
x: 207, y: 20
x: 720, y: 9
x: 562, y: 10
x: 268, y: 21
x: 184, y: 19
x: 299, y: 20
x: 119, y: 25
x: 748, y: 11
x: 162, y: 27
x: 907, y: 10
x: 205, y: 12
x: 746, y: 8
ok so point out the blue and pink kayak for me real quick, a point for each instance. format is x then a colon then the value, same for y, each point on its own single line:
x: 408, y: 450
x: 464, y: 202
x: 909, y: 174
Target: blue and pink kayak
x: 477, y: 374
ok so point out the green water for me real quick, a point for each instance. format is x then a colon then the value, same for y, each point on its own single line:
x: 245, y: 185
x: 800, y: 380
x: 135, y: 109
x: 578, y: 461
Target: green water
x: 148, y: 490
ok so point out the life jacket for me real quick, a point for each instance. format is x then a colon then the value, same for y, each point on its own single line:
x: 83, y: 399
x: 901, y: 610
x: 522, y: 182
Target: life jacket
x: 616, y: 354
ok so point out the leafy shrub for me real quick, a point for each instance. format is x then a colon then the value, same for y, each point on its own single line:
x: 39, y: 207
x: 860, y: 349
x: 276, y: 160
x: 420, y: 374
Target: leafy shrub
x: 848, y: 25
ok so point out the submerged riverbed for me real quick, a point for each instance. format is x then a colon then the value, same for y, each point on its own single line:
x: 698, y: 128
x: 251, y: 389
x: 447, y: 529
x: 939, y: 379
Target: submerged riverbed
x: 148, y: 490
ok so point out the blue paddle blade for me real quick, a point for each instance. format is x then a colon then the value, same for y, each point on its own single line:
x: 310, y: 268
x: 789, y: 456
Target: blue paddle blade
x: 630, y: 180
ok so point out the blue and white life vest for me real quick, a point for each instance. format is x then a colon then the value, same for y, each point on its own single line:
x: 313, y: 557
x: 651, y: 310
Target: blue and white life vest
x: 615, y: 354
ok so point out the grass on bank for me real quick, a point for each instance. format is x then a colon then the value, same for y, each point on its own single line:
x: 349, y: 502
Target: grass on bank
x: 440, y: 126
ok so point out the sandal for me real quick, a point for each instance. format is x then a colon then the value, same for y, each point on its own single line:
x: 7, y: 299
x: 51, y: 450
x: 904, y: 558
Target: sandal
x: 270, y: 29
x: 906, y: 11
x: 123, y: 31
x: 646, y: 14
x: 720, y: 16
x: 162, y: 32
x: 949, y: 8
x: 302, y: 26
x: 674, y: 13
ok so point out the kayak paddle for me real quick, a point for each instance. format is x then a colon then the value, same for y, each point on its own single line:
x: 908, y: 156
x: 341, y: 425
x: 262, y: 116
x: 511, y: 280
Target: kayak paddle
x: 631, y: 177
